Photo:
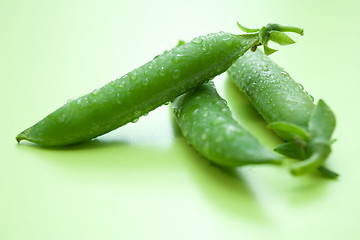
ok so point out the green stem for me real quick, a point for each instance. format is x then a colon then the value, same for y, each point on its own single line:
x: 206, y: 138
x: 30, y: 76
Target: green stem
x: 264, y: 35
x: 308, y: 165
x: 282, y: 28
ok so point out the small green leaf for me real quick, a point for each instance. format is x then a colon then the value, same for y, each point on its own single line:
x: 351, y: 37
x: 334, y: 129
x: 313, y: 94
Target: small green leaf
x: 268, y: 50
x: 325, y: 172
x: 247, y: 30
x: 292, y: 150
x: 181, y: 42
x: 281, y: 38
x: 322, y: 122
x: 290, y: 129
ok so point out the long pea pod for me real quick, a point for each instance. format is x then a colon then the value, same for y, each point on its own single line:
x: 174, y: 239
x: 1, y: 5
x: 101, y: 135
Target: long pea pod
x: 206, y: 122
x: 155, y: 83
x: 289, y: 111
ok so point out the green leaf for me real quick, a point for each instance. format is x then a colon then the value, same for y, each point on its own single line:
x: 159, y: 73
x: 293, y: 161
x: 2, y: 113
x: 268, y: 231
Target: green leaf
x: 247, y: 30
x: 290, y: 129
x: 181, y: 42
x: 281, y: 38
x: 322, y: 121
x: 268, y: 50
x: 292, y: 150
x: 325, y: 172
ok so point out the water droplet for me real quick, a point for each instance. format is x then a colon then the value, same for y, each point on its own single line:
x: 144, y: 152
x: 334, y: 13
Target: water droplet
x: 135, y: 120
x: 121, y: 84
x: 62, y: 118
x: 311, y: 97
x: 221, y: 102
x: 133, y: 76
x: 162, y: 71
x: 146, y: 81
x: 177, y: 58
x: 176, y: 74
x: 219, y: 120
x: 95, y: 92
x: 301, y: 86
x: 285, y: 74
x: 227, y: 39
x: 118, y: 98
x: 197, y: 40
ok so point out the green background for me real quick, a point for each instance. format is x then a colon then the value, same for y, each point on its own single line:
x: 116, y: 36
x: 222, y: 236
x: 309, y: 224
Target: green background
x: 143, y: 181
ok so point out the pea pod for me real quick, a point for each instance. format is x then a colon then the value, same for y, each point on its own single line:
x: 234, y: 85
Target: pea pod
x: 157, y: 82
x: 289, y: 110
x: 206, y: 122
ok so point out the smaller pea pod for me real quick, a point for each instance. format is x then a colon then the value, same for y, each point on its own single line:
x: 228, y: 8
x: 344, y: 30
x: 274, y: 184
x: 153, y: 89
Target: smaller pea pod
x: 206, y: 122
x: 289, y: 110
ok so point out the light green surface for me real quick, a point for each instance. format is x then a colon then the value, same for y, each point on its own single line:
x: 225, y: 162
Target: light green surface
x: 142, y: 181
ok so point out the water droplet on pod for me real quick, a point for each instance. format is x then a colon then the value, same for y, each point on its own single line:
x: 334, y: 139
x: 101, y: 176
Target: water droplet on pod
x: 197, y: 40
x: 301, y: 86
x: 162, y: 71
x: 135, y: 120
x: 62, y: 118
x: 285, y: 74
x: 133, y: 76
x: 176, y: 74
x: 311, y: 97
x: 95, y: 92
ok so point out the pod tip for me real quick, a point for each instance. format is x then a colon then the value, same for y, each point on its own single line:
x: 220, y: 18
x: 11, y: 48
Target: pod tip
x: 20, y: 136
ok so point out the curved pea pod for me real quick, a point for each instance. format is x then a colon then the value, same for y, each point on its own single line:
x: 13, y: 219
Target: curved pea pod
x: 206, y: 122
x: 290, y: 111
x: 155, y: 83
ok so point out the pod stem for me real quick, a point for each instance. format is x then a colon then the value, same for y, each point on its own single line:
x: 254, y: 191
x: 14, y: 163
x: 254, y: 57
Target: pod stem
x: 315, y: 162
x: 272, y: 32
x: 283, y: 28
x: 308, y: 165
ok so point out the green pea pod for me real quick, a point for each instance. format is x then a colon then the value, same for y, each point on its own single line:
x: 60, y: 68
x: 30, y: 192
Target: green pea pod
x: 157, y: 82
x: 206, y: 122
x: 289, y: 111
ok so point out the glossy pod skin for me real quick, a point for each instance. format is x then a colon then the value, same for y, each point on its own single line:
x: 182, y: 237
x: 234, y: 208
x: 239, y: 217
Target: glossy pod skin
x: 140, y: 91
x: 157, y: 82
x: 289, y: 111
x: 206, y: 122
x: 271, y: 91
